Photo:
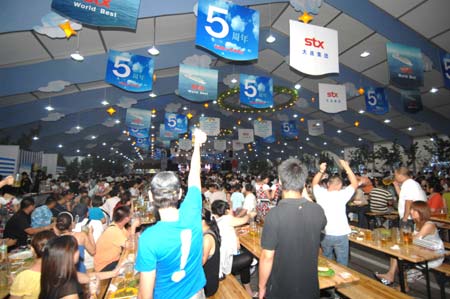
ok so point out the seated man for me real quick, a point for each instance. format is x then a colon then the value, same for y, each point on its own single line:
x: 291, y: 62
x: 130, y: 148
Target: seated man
x: 42, y: 216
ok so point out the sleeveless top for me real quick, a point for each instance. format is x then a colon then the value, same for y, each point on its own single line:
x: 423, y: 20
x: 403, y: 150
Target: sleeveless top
x: 437, y: 239
x: 211, y: 267
x: 228, y: 245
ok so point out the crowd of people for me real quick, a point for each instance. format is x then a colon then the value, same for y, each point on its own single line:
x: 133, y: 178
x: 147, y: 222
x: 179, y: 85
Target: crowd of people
x: 80, y: 230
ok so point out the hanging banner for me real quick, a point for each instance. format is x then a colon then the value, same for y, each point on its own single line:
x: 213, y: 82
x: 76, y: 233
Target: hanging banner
x: 256, y: 91
x: 332, y: 98
x: 262, y: 128
x: 138, y: 118
x: 129, y: 71
x: 185, y: 144
x: 138, y: 133
x: 143, y: 142
x: 445, y: 64
x: 313, y: 50
x: 210, y: 125
x: 405, y: 65
x: 166, y: 135
x: 220, y: 145
x: 245, y: 136
x: 197, y: 84
x: 176, y: 123
x: 315, y: 127
x: 376, y: 101
x: 237, y: 145
x: 289, y: 129
x: 412, y: 100
x: 228, y: 30
x: 102, y: 13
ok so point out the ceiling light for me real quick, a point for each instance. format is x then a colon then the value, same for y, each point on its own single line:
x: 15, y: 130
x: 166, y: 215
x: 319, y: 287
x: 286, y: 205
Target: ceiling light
x: 364, y: 54
x: 78, y: 150
x: 325, y: 143
x: 152, y: 95
x: 301, y: 147
x: 234, y: 80
x: 410, y: 128
x: 49, y: 108
x: 35, y: 138
x: 104, y: 143
x: 89, y: 155
x: 307, y: 138
x: 60, y: 145
x: 270, y: 39
x: 214, y: 102
x: 153, y: 128
x: 78, y: 128
x: 434, y: 90
x: 185, y: 108
x: 359, y: 139
x: 297, y: 86
x: 249, y: 119
x: 117, y: 121
x: 361, y: 111
x: 93, y: 137
x: 431, y: 139
x: 153, y: 51
x: 342, y: 151
x: 339, y: 131
x: 386, y: 121
x: 295, y: 115
x: 105, y: 103
x: 77, y: 56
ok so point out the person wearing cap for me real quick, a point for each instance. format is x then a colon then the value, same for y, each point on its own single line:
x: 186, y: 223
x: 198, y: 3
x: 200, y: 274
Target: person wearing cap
x: 42, y: 216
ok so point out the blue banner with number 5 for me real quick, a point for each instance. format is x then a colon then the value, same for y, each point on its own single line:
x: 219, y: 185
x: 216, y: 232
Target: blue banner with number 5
x: 256, y: 91
x: 228, y: 30
x: 376, y: 101
x: 289, y: 129
x: 445, y: 63
x: 129, y: 71
x: 176, y: 123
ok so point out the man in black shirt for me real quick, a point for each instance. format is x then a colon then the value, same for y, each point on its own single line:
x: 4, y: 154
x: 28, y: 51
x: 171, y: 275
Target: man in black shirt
x: 290, y: 240
x: 19, y: 226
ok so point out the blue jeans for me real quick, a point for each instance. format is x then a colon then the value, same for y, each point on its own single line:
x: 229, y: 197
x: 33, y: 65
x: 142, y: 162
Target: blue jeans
x: 338, y: 244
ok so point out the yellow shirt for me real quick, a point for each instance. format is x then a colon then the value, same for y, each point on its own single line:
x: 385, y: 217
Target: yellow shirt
x: 27, y: 284
x: 109, y: 246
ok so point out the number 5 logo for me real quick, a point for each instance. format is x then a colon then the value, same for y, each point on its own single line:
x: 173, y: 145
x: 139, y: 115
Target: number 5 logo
x: 248, y: 87
x: 371, y: 98
x: 286, y: 127
x: 447, y: 67
x: 172, y: 120
x: 124, y: 66
x: 221, y: 21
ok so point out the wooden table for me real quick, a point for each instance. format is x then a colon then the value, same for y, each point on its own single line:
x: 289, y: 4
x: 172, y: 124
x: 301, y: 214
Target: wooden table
x: 252, y: 242
x: 110, y: 288
x: 442, y: 218
x: 410, y: 253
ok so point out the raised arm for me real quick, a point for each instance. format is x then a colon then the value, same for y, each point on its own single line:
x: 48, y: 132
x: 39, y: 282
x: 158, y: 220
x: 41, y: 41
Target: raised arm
x: 194, y: 173
x: 318, y: 176
x: 350, y: 174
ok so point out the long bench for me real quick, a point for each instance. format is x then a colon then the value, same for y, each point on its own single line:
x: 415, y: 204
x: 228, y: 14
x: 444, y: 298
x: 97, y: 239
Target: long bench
x: 442, y: 276
x: 230, y: 288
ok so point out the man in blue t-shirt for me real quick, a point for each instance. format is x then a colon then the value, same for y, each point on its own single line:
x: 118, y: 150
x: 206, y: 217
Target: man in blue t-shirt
x: 170, y: 252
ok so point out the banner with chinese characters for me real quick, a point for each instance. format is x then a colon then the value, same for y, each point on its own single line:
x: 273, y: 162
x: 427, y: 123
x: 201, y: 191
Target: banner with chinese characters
x: 176, y: 123
x: 376, y: 101
x: 237, y: 145
x: 245, y: 136
x: 332, y: 98
x: 210, y: 125
x: 185, y: 144
x: 445, y: 64
x: 228, y: 30
x: 220, y: 145
x: 289, y: 129
x: 143, y: 142
x: 313, y: 49
x: 412, y: 100
x: 315, y: 127
x: 138, y: 133
x: 102, y: 13
x: 262, y: 128
x: 256, y: 91
x: 138, y: 118
x: 129, y: 71
x: 197, y: 84
x: 166, y: 135
x: 405, y: 65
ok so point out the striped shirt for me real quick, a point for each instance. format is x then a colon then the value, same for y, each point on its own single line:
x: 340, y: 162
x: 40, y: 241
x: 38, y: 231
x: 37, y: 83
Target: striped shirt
x: 378, y: 200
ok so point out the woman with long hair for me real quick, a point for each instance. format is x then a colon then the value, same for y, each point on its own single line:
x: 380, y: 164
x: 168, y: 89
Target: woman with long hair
x: 211, y: 252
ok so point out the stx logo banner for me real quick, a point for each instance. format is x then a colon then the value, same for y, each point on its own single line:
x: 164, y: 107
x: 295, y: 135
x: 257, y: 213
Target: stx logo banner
x: 313, y: 49
x: 332, y: 98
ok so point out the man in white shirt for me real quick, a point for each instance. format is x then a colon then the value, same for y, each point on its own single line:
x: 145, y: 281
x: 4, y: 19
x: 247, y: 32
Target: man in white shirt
x: 249, y: 201
x: 333, y: 201
x: 408, y: 190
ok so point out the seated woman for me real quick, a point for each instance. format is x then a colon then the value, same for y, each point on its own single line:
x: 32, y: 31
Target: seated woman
x: 435, y: 201
x: 27, y: 283
x: 211, y: 252
x: 233, y: 258
x: 426, y: 230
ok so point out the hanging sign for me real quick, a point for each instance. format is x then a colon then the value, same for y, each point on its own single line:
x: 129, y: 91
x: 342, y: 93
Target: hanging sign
x: 138, y: 133
x: 185, y: 144
x: 138, y: 118
x: 228, y: 30
x: 143, y: 142
x: 412, y: 100
x: 210, y: 125
x: 129, y: 71
x: 197, y: 84
x: 176, y: 123
x: 220, y: 145
x: 445, y: 64
x: 313, y: 49
x: 263, y: 128
x: 376, y: 101
x: 289, y: 129
x: 270, y: 139
x: 315, y: 127
x: 405, y: 65
x: 245, y: 136
x: 166, y: 135
x: 102, y: 13
x: 237, y: 145
x: 256, y: 91
x: 332, y: 98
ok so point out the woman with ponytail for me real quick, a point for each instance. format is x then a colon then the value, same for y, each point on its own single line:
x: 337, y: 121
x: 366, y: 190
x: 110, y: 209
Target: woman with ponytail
x: 211, y: 252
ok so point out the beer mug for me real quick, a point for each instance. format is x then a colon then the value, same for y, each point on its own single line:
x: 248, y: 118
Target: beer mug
x: 17, y: 180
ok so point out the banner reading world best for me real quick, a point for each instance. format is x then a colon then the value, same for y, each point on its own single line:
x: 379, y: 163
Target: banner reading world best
x: 228, y: 30
x: 197, y: 84
x: 256, y: 91
x: 129, y: 71
x: 176, y: 123
x: 138, y: 118
x: 376, y: 101
x: 405, y: 66
x: 103, y: 13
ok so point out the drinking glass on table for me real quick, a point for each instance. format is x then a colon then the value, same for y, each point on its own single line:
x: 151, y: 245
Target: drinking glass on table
x: 128, y: 271
x: 407, y: 233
